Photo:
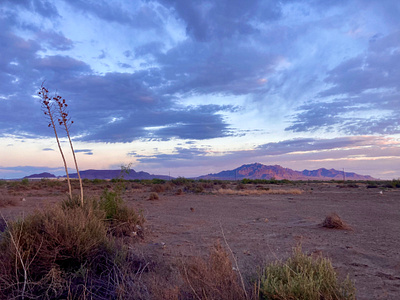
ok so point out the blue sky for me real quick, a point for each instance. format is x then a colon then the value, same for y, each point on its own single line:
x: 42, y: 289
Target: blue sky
x: 189, y: 88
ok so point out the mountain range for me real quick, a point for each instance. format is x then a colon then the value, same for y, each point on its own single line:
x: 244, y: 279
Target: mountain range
x: 260, y: 171
x: 250, y: 171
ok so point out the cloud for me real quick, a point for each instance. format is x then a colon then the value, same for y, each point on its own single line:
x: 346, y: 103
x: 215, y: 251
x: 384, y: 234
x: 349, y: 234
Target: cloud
x: 42, y: 7
x: 84, y: 151
x: 55, y: 40
x: 364, y: 94
x: 145, y: 16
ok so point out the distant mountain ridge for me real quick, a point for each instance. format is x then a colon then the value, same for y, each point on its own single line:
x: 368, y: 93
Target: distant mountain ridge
x: 110, y: 174
x: 41, y: 175
x: 260, y: 171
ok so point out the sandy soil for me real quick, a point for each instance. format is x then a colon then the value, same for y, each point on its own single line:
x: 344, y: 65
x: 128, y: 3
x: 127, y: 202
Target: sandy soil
x: 263, y: 228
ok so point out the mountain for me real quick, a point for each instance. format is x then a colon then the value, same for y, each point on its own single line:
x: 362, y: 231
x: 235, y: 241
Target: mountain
x: 41, y: 175
x: 110, y: 174
x: 260, y: 171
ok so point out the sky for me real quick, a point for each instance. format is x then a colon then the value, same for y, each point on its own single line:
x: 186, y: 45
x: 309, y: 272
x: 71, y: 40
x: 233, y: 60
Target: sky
x: 188, y: 88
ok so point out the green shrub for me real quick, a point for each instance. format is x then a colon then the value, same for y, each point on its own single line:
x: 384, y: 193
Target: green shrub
x: 157, y: 181
x: 302, y: 277
x: 181, y: 181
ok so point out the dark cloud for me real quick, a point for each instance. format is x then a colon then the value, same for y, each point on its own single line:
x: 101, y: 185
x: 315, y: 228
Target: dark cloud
x: 215, y: 20
x: 233, y: 68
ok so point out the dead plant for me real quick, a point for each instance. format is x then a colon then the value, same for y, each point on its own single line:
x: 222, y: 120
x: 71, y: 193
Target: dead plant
x: 333, y: 221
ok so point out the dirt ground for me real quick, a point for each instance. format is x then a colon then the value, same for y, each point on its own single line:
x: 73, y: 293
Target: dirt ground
x: 263, y: 228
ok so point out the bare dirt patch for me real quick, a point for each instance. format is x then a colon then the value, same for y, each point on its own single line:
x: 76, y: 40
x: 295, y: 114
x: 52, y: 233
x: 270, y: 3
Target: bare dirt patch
x: 261, y: 228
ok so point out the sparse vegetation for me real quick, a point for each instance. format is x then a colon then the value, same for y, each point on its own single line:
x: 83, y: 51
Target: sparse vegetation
x: 258, y: 192
x: 72, y: 251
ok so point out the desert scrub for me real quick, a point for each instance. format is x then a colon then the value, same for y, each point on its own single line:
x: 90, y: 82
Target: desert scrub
x: 66, y: 252
x: 302, y: 277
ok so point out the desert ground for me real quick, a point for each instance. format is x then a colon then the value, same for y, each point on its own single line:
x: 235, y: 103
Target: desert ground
x: 257, y: 227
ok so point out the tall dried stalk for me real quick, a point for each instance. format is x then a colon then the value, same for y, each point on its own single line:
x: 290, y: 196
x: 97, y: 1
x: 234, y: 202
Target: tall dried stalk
x: 67, y: 122
x: 47, y: 108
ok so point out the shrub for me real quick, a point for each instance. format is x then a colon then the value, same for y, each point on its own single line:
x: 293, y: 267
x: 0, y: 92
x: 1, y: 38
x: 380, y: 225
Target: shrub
x: 121, y: 220
x: 158, y: 188
x: 153, y: 196
x: 335, y: 222
x: 302, y: 277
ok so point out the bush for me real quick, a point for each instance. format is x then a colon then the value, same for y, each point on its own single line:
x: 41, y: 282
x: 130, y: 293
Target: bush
x: 302, y: 277
x: 121, y: 220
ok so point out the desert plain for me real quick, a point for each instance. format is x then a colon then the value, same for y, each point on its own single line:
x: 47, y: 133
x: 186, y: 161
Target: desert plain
x: 258, y: 223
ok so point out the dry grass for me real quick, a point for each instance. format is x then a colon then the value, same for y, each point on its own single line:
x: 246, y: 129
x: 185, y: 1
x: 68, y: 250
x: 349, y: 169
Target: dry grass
x: 7, y: 201
x: 333, y: 221
x: 214, y: 278
x: 153, y: 196
x: 258, y: 192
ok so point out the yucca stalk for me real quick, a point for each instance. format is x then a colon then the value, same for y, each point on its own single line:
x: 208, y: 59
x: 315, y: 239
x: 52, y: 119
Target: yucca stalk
x: 66, y: 121
x: 47, y: 107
